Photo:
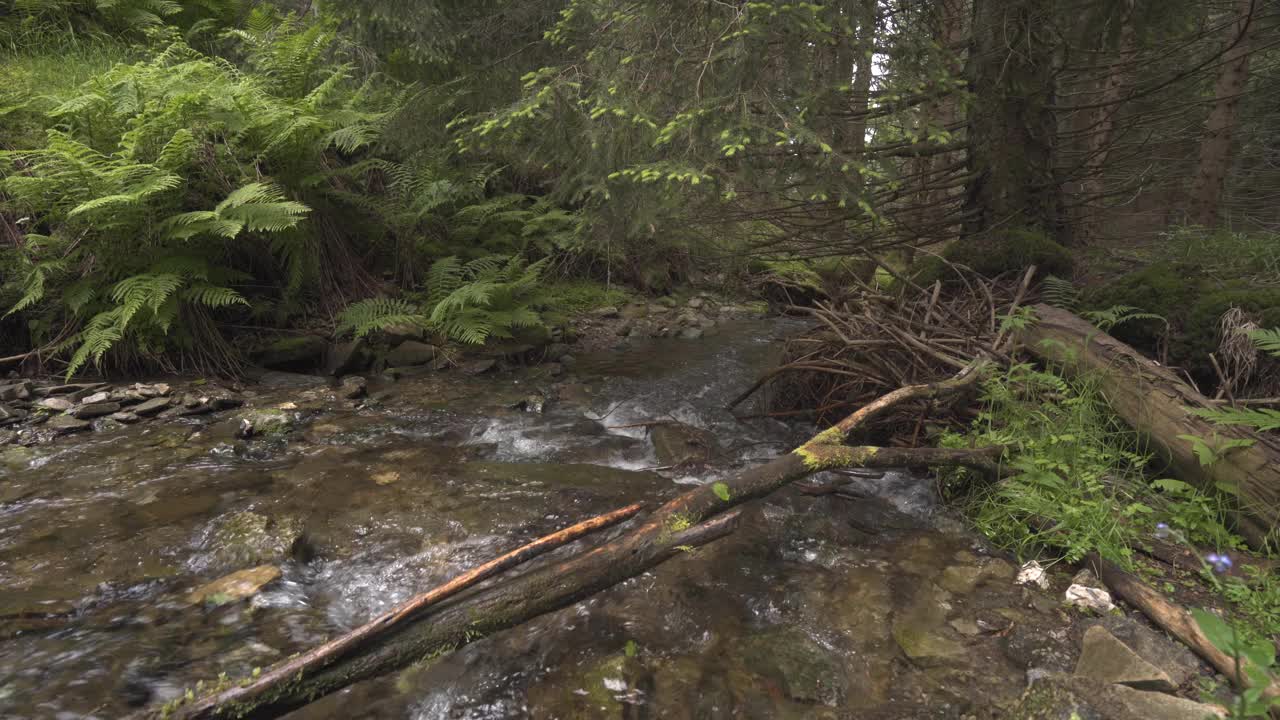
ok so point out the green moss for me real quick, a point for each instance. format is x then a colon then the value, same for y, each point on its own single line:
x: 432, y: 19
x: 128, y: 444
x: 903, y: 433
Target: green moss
x: 579, y: 296
x: 1192, y: 303
x: 1009, y: 251
x: 823, y: 456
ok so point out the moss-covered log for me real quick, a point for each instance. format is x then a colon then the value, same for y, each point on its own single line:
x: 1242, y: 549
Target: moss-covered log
x: 1157, y: 404
x: 691, y: 519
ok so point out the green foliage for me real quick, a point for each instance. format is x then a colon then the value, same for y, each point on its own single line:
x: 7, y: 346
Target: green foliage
x: 488, y: 297
x: 1078, y: 484
x: 1060, y: 293
x: 155, y: 182
x: 580, y: 296
x: 1259, y: 655
x: 1260, y: 419
x: 374, y: 314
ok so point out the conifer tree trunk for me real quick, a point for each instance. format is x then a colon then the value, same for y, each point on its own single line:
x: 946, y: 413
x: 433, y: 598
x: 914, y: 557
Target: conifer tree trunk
x: 1103, y: 126
x: 1215, y: 147
x: 1011, y: 124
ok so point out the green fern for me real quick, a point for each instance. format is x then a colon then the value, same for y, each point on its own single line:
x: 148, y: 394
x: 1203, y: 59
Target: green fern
x: 1060, y: 293
x: 1267, y: 340
x: 489, y: 297
x: 375, y: 314
x: 1108, y: 318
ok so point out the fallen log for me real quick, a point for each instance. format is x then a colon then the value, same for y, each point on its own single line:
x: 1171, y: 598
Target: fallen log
x: 1157, y: 405
x: 694, y: 518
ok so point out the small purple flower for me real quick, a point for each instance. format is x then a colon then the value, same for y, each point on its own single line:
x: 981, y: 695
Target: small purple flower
x: 1220, y: 563
x: 1162, y: 530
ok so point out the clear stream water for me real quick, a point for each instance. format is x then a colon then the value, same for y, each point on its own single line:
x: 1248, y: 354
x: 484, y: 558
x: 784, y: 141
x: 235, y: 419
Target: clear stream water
x: 826, y: 607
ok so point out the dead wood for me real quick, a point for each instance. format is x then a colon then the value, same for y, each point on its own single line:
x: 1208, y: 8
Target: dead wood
x: 1158, y: 405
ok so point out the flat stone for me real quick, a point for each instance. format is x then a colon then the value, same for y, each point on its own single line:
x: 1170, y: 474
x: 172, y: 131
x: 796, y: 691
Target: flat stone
x: 605, y: 312
x: 126, y: 418
x: 65, y: 424
x: 1055, y: 696
x: 1173, y: 658
x: 93, y: 410
x: 55, y: 404
x: 98, y: 397
x: 70, y: 388
x: 20, y: 390
x: 411, y: 352
x: 1105, y: 659
x: 691, y: 333
x: 279, y: 379
x: 236, y: 586
x: 152, y: 406
x: 921, y: 631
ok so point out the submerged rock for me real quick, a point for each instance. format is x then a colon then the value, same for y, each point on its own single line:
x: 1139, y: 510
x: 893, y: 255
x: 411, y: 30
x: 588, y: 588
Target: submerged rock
x: 345, y: 357
x: 680, y: 444
x: 152, y: 406
x: 412, y: 352
x: 249, y: 538
x: 64, y: 424
x: 806, y: 671
x: 266, y: 422
x: 234, y: 587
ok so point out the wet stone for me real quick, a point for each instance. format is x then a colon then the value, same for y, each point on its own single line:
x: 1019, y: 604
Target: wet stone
x: 921, y: 631
x: 1106, y: 659
x: 94, y: 410
x: 234, y: 587
x: 246, y: 538
x: 56, y: 404
x: 411, y: 352
x: 691, y: 333
x: 151, y: 407
x: 16, y: 391
x: 10, y: 414
x: 65, y: 424
x: 95, y: 398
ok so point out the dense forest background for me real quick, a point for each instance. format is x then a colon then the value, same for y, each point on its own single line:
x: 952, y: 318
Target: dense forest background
x: 179, y: 176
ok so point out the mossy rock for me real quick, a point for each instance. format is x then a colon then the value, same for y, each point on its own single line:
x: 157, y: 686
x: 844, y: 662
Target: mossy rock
x: 1190, y: 302
x: 1009, y: 251
x: 293, y: 353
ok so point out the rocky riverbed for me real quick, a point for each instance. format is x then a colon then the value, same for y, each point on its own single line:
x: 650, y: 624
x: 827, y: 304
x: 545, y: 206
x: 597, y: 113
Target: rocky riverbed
x: 239, y: 524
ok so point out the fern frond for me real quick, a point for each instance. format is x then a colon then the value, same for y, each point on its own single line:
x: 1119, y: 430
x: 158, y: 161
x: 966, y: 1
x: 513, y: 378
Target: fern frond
x: 1267, y: 340
x: 366, y: 316
x: 1261, y: 419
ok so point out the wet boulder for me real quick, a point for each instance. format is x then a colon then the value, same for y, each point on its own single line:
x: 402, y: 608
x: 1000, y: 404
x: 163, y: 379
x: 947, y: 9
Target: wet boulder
x: 346, y: 357
x: 1062, y: 697
x: 410, y: 353
x: 250, y: 538
x: 680, y: 444
x: 20, y: 390
x: 266, y: 422
x: 303, y: 352
x: 91, y: 410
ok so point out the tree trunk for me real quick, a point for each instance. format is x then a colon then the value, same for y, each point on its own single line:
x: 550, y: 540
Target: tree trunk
x: 1215, y: 147
x: 1102, y: 127
x: 1012, y: 128
x: 1156, y: 404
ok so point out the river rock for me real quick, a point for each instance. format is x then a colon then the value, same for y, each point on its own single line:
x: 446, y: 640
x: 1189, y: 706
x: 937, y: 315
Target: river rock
x: 804, y: 670
x: 1106, y: 659
x: 279, y: 379
x: 922, y: 631
x: 66, y: 424
x: 605, y: 313
x: 695, y: 303
x: 127, y: 418
x: 96, y: 409
x: 10, y: 414
x: 353, y: 387
x: 345, y: 357
x: 691, y: 333
x: 152, y: 406
x: 265, y: 422
x: 634, y: 311
x: 250, y: 538
x: 667, y: 301
x: 20, y: 390
x: 56, y: 404
x: 152, y: 391
x: 396, y: 334
x: 293, y: 353
x: 95, y: 398
x: 70, y: 388
x: 234, y: 587
x: 680, y: 444
x: 411, y: 352
x: 1059, y: 696
x: 555, y: 351
x: 1172, y: 658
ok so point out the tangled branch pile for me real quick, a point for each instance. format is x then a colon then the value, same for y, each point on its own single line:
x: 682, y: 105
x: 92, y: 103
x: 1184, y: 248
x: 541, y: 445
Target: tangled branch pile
x: 876, y: 340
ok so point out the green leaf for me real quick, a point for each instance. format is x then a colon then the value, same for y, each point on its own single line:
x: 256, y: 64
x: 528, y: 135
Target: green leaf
x: 721, y: 490
x: 1215, y: 629
x: 631, y: 649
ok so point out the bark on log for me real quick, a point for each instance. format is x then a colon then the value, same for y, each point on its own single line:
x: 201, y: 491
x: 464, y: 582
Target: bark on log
x: 1155, y: 402
x: 694, y: 518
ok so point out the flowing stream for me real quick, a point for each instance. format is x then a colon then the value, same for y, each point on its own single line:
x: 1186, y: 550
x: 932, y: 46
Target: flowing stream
x: 817, y: 607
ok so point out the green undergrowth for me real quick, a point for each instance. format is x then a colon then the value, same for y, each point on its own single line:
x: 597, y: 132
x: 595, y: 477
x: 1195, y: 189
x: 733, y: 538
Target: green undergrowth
x: 580, y: 296
x: 1079, y: 482
x: 1079, y: 479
